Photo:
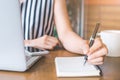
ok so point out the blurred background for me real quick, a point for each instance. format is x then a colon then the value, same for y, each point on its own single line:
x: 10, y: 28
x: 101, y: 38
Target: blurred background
x: 84, y: 14
x: 76, y: 14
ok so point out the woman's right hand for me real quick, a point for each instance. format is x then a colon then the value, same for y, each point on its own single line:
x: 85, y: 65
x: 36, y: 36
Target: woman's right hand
x: 43, y: 43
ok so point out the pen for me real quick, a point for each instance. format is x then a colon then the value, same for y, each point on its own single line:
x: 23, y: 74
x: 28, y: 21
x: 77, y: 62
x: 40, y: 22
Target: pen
x: 92, y: 39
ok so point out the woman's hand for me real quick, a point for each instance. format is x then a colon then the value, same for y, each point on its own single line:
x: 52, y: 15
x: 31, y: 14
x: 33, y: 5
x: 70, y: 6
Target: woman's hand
x: 43, y: 43
x: 97, y: 52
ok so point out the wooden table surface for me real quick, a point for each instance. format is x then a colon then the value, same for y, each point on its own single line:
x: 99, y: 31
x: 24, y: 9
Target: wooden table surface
x: 44, y: 69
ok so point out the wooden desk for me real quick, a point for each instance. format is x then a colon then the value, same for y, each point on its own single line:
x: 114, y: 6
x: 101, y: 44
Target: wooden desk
x: 44, y: 69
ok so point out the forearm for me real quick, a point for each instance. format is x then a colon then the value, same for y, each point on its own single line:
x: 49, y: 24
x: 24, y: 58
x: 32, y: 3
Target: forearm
x: 73, y: 42
x: 70, y: 40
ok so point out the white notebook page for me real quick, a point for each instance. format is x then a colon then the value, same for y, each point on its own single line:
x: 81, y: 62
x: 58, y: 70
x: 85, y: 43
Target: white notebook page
x: 73, y: 67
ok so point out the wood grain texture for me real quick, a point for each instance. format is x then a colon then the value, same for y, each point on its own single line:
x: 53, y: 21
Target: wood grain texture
x: 44, y: 69
x: 102, y: 2
x: 107, y: 15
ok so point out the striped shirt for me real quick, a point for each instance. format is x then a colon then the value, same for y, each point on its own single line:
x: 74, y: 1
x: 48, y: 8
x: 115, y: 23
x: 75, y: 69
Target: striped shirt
x: 37, y: 19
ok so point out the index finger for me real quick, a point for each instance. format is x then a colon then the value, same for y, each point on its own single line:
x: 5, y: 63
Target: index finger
x: 96, y: 46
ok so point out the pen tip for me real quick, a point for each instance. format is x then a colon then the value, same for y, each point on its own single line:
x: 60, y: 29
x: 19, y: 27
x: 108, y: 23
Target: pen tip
x: 84, y: 63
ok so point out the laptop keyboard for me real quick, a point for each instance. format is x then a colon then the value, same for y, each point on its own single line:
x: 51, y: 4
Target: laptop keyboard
x: 30, y: 55
x: 30, y: 60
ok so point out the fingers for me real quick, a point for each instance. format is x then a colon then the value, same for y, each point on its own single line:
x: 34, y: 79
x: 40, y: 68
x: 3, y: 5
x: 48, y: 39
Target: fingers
x: 96, y: 61
x: 96, y: 46
x: 43, y: 43
x: 97, y: 52
x: 50, y: 42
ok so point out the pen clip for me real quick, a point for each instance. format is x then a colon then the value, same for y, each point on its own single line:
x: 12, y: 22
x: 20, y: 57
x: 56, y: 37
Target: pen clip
x: 95, y: 30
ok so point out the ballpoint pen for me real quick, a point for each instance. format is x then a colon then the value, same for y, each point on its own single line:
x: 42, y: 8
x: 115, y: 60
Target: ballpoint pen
x: 92, y: 39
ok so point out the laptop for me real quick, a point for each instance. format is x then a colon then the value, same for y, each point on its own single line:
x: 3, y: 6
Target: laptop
x: 13, y: 56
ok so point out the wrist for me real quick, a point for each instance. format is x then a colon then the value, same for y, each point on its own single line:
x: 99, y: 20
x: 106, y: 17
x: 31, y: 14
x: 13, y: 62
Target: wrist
x: 29, y: 43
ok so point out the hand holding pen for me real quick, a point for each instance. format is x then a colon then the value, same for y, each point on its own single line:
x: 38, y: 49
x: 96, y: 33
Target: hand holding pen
x: 97, y: 49
x: 92, y: 39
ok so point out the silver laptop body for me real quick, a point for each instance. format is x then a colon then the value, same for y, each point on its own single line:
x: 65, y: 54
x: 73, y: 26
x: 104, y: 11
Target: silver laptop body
x: 12, y: 53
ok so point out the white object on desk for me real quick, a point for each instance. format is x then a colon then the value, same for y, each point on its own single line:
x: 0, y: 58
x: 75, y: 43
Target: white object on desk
x: 74, y: 67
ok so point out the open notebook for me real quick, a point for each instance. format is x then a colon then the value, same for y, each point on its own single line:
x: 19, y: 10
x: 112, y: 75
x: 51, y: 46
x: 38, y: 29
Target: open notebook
x: 74, y: 67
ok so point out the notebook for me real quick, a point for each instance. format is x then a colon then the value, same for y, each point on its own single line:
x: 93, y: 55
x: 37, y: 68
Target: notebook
x: 74, y: 67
